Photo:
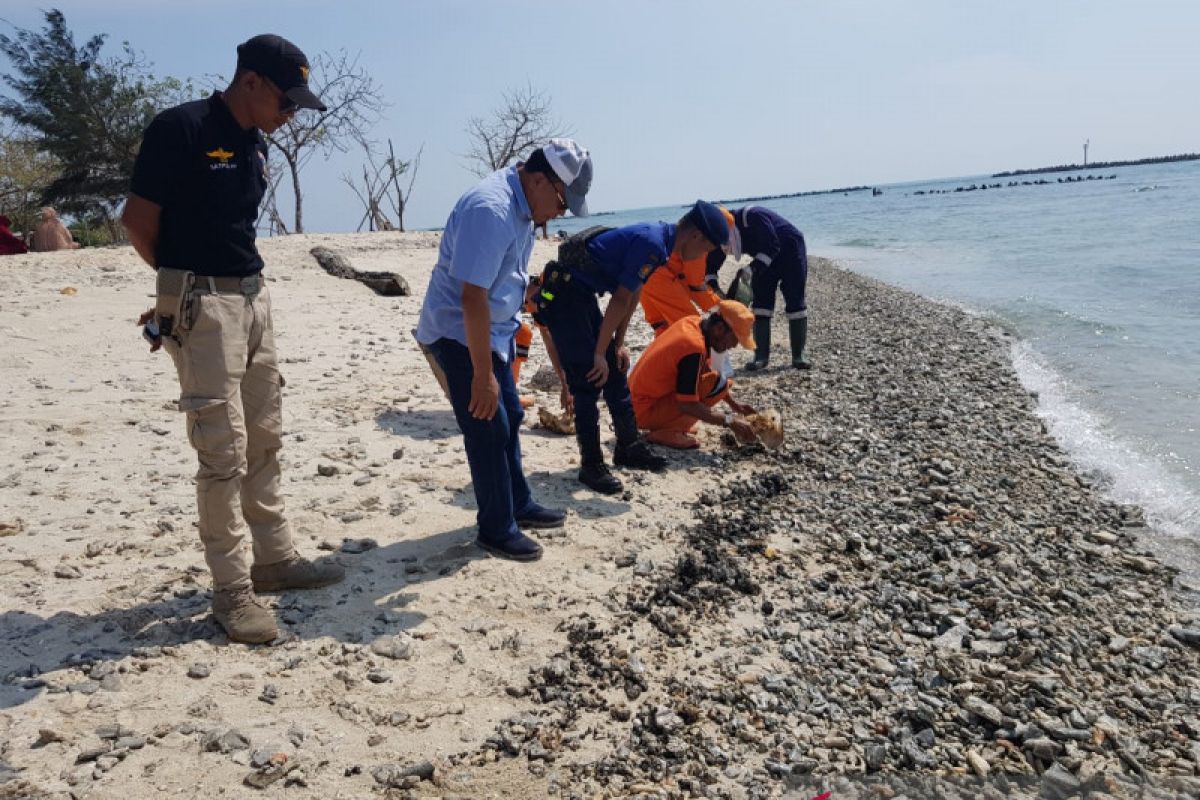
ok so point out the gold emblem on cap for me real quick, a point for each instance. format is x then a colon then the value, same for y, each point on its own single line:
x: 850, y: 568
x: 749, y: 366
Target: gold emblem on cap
x: 220, y: 154
x: 304, y: 73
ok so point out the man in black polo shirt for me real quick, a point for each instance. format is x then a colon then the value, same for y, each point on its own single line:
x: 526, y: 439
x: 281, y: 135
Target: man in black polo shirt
x: 197, y: 184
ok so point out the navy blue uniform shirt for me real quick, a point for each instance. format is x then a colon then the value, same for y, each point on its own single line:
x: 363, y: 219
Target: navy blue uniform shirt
x: 766, y: 238
x: 626, y: 256
x: 209, y: 175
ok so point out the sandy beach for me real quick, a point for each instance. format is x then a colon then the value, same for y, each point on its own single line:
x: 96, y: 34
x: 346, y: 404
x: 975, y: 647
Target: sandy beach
x: 917, y: 586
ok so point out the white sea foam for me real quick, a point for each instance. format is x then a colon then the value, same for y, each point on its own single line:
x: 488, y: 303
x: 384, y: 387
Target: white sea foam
x: 1130, y: 475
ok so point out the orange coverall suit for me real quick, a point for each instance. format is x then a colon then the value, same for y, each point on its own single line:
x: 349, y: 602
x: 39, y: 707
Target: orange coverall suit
x: 674, y: 290
x: 673, y: 370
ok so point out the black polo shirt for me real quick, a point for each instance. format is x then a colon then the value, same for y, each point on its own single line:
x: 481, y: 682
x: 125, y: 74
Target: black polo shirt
x: 209, y: 176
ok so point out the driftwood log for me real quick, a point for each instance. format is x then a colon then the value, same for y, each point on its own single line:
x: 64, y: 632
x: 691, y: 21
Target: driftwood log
x: 388, y: 284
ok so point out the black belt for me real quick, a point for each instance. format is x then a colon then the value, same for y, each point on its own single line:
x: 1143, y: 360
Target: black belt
x: 248, y: 286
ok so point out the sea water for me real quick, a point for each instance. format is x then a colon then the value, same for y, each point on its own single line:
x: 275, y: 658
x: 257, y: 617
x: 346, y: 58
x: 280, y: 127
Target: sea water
x: 1098, y: 279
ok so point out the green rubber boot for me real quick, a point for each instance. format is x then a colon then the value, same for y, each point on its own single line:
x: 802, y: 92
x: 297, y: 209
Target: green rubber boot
x: 762, y: 342
x: 798, y: 332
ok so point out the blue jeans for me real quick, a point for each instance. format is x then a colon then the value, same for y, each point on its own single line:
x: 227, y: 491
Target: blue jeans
x: 574, y: 321
x: 493, y: 446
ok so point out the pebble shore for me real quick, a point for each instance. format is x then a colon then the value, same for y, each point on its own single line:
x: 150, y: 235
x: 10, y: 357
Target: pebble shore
x: 916, y: 595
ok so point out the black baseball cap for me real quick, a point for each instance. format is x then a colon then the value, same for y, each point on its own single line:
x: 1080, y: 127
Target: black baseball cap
x: 283, y: 63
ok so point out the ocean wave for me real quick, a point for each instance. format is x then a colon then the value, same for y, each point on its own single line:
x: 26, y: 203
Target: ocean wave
x: 1128, y: 475
x: 1029, y: 311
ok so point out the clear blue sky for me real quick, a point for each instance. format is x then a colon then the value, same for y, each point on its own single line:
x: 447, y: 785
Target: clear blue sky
x: 683, y: 99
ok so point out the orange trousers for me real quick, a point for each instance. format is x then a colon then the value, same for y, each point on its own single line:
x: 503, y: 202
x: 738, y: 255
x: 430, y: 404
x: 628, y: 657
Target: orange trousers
x: 524, y: 339
x: 663, y: 414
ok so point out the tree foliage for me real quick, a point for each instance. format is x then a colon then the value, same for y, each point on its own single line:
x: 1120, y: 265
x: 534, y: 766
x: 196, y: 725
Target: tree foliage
x: 84, y: 110
x: 521, y: 123
x: 25, y: 176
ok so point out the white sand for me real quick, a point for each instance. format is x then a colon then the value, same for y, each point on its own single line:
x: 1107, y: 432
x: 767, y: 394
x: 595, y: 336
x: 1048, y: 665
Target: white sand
x: 101, y: 553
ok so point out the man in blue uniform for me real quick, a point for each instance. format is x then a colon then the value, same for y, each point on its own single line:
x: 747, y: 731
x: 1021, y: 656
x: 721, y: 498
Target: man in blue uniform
x: 779, y: 259
x: 470, y: 316
x: 591, y: 345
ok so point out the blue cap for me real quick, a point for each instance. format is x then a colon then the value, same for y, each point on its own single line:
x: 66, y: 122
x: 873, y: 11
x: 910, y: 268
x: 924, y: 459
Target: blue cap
x: 709, y: 220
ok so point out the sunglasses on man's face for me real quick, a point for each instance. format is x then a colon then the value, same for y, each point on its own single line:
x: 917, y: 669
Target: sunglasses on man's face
x: 286, y: 104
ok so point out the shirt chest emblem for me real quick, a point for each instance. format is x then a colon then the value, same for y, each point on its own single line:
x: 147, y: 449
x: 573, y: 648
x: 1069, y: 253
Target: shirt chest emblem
x: 220, y: 159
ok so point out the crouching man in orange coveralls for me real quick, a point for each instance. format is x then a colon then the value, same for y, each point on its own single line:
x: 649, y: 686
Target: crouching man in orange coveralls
x: 674, y: 385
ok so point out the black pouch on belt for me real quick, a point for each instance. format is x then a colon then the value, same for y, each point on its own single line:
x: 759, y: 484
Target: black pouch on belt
x: 173, y: 296
x: 554, y: 279
x: 573, y: 258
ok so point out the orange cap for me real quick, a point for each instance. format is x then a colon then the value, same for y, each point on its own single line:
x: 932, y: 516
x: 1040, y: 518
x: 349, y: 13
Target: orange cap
x: 740, y: 319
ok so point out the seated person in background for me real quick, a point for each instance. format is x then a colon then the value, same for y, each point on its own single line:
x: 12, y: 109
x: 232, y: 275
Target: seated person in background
x: 51, y: 234
x: 674, y: 384
x: 10, y: 245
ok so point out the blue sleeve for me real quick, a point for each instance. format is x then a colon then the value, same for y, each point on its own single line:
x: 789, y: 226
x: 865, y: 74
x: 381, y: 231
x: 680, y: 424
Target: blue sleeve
x: 162, y: 159
x: 481, y: 238
x: 642, y: 257
x: 761, y: 236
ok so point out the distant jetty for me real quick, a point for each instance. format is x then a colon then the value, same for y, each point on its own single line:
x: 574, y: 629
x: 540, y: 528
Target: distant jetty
x: 1099, y: 165
x: 845, y: 190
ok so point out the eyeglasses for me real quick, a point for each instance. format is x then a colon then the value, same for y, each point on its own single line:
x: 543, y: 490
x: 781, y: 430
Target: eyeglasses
x: 562, y: 201
x: 286, y: 104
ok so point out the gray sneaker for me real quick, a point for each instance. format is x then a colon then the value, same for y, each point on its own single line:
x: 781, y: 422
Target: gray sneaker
x: 295, y: 573
x: 244, y: 617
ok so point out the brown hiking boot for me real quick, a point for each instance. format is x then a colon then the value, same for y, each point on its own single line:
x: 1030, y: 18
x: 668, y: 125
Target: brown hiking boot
x: 244, y: 617
x: 295, y: 573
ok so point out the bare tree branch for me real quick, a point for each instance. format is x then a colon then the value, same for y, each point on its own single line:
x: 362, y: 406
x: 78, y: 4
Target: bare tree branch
x: 380, y: 187
x: 353, y: 102
x: 522, y: 123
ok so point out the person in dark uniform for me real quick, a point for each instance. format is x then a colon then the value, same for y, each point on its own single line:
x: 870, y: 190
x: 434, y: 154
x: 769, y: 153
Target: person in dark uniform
x: 591, y: 345
x: 779, y: 260
x: 197, y: 183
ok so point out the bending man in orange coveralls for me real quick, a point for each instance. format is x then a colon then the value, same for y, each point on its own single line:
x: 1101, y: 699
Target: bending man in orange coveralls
x: 674, y: 384
x: 677, y: 289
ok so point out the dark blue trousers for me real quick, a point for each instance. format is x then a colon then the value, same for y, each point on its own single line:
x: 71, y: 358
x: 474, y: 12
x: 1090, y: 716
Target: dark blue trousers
x: 789, y: 270
x: 493, y: 446
x: 574, y: 321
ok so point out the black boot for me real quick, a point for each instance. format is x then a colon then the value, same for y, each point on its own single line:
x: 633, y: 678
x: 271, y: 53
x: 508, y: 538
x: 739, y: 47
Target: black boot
x: 631, y: 451
x: 798, y: 332
x: 762, y: 344
x: 593, y: 472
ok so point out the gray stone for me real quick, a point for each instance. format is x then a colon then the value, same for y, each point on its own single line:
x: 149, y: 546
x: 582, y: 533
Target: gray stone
x: 1059, y: 783
x: 400, y: 647
x: 223, y: 741
x: 90, y: 751
x: 983, y: 709
x: 1186, y: 635
x: 953, y: 638
x: 1043, y: 748
x: 398, y: 776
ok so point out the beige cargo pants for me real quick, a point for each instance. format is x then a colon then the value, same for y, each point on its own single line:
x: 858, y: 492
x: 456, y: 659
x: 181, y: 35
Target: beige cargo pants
x: 230, y: 391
